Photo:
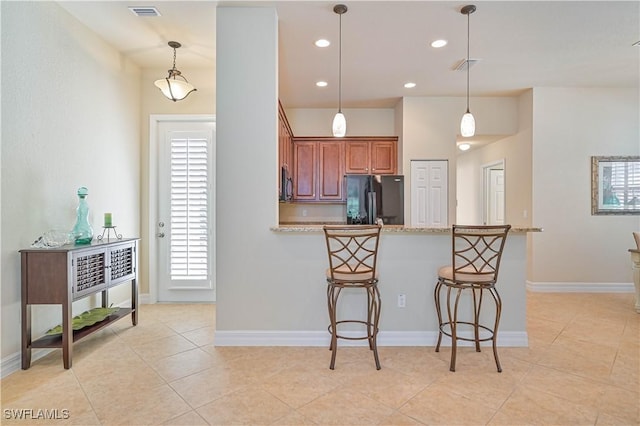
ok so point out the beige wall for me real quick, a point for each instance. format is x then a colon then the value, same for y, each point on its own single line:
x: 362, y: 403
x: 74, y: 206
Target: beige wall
x: 570, y: 126
x: 70, y: 118
x: 360, y: 121
x: 515, y: 150
x: 202, y: 101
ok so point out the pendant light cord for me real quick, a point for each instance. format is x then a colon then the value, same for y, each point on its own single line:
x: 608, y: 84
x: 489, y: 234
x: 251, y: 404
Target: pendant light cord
x: 340, y: 67
x: 174, y: 58
x: 468, y: 64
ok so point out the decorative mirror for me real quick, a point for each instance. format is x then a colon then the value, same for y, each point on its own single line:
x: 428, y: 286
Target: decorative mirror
x: 615, y: 185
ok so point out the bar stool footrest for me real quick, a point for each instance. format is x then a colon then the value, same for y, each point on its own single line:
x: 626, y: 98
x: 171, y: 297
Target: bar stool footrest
x: 444, y: 331
x: 367, y: 337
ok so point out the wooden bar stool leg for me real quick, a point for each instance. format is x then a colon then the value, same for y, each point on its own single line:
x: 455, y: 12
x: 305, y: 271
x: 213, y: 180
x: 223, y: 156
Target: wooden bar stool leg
x: 332, y: 295
x: 498, y: 300
x: 477, y: 306
x: 370, y: 315
x: 454, y: 326
x: 376, y: 306
x: 436, y: 295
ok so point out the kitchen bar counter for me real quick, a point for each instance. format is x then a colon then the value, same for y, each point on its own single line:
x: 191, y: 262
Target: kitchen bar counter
x: 409, y: 260
x: 317, y: 227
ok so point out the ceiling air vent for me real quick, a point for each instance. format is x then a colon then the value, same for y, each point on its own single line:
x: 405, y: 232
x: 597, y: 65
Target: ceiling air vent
x: 144, y: 10
x: 462, y: 65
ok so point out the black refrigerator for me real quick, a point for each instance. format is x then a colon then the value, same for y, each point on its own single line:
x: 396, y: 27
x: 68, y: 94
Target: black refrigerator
x: 373, y: 197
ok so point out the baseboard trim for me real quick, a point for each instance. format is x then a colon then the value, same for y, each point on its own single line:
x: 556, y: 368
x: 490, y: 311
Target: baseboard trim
x: 576, y: 287
x: 144, y: 299
x: 13, y: 363
x: 385, y: 338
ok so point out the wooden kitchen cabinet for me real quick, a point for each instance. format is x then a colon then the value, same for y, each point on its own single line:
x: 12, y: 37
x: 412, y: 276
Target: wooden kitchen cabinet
x: 330, y: 171
x: 372, y: 157
x: 305, y: 154
x: 358, y: 157
x: 320, y: 163
x: 285, y: 148
x: 63, y: 275
x: 318, y: 170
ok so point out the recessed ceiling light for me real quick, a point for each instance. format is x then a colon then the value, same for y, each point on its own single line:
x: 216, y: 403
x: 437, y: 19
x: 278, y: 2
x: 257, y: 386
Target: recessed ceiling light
x: 439, y: 43
x: 322, y: 43
x: 321, y: 83
x: 409, y: 85
x: 464, y: 146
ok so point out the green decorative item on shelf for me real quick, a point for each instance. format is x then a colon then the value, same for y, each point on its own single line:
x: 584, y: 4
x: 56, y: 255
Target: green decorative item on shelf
x: 86, y: 319
x: 82, y: 231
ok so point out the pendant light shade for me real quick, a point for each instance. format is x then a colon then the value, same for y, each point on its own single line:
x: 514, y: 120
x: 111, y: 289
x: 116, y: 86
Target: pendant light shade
x: 175, y: 86
x: 339, y: 121
x: 339, y: 125
x: 468, y: 123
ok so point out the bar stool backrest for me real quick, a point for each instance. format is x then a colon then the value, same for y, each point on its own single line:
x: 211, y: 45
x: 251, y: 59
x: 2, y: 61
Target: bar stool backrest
x: 477, y: 251
x: 353, y: 252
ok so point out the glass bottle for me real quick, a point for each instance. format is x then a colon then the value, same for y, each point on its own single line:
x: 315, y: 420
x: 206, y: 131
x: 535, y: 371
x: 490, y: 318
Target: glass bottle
x: 82, y: 231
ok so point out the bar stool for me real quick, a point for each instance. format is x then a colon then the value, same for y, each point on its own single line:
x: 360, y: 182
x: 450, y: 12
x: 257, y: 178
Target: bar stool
x: 476, y: 253
x: 353, y: 253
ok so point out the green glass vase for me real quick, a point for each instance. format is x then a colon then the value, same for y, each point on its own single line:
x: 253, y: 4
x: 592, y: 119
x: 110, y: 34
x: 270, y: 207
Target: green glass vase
x: 82, y: 231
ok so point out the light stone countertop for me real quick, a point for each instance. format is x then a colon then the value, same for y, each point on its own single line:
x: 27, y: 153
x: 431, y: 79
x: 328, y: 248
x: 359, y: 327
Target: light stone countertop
x: 392, y: 229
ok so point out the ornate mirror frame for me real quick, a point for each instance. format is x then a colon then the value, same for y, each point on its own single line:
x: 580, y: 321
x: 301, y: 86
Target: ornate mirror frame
x: 615, y: 185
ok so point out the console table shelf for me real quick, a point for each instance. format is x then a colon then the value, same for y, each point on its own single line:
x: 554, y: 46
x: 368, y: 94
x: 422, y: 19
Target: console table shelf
x: 69, y: 273
x: 55, y: 340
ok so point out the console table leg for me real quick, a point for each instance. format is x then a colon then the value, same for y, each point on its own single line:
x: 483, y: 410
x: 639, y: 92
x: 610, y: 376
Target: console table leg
x: 134, y: 301
x: 67, y: 334
x: 26, y: 336
x: 105, y: 299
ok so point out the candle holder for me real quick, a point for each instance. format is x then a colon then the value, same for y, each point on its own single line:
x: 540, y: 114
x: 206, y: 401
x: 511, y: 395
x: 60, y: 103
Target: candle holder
x: 107, y: 230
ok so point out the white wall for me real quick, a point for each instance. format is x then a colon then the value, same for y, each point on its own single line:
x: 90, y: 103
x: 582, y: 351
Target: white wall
x: 570, y: 126
x: 70, y: 118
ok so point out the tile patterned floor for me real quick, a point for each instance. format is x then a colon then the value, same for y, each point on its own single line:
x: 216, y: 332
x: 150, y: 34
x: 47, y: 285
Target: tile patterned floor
x: 581, y: 368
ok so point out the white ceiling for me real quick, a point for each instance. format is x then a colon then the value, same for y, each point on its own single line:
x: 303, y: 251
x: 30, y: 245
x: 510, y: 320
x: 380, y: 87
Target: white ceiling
x: 519, y: 44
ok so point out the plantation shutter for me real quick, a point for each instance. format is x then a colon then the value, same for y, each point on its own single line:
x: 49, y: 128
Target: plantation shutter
x: 189, y: 209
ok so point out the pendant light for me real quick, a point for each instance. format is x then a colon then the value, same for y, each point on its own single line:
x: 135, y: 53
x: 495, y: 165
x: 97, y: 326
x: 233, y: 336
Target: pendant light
x: 171, y: 87
x: 468, y: 123
x: 339, y: 122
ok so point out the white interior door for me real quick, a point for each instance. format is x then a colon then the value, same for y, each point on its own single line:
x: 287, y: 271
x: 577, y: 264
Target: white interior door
x: 496, y: 197
x: 494, y: 193
x: 185, y: 225
x: 429, y: 193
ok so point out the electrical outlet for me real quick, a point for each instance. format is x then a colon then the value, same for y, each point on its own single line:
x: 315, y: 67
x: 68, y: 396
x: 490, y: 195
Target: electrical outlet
x: 304, y: 212
x: 402, y: 300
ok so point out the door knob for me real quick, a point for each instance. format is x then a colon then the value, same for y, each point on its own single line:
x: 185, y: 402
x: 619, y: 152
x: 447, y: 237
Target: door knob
x: 160, y: 234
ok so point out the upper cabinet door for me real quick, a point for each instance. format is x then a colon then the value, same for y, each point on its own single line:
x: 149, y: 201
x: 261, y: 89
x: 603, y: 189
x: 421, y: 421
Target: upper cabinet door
x: 384, y: 158
x: 304, y: 170
x: 331, y: 170
x: 357, y: 157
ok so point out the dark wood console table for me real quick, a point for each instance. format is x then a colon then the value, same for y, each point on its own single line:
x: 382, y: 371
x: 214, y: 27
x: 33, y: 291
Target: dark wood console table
x: 69, y: 273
